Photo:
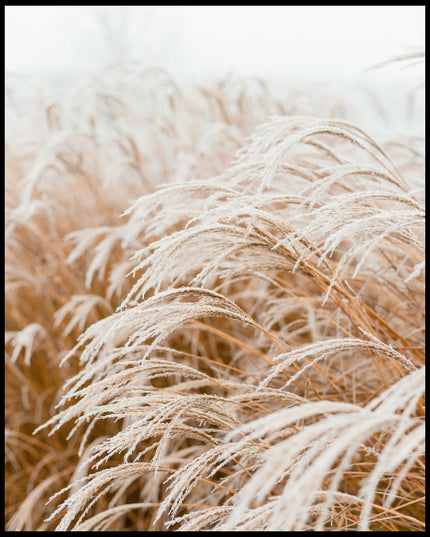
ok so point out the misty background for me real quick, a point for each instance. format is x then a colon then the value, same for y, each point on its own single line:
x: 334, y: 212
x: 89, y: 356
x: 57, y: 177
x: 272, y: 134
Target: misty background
x: 335, y: 44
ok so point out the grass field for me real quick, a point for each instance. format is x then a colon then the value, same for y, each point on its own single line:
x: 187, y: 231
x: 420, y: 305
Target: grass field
x: 214, y: 307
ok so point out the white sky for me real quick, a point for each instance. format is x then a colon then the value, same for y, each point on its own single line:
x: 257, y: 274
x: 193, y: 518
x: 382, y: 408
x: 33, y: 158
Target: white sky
x: 274, y: 41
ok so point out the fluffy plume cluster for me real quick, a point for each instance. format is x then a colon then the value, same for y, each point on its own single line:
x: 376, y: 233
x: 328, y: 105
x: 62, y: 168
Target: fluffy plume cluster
x: 214, y: 309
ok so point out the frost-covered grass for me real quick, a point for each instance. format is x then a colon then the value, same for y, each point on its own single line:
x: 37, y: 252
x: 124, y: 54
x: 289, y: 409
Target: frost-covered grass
x: 214, y: 309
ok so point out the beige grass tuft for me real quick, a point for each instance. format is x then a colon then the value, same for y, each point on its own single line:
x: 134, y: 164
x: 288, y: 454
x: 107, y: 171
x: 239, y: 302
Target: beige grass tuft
x: 214, y: 310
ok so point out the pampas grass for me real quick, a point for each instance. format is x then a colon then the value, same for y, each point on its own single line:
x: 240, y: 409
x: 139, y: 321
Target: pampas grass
x: 214, y: 310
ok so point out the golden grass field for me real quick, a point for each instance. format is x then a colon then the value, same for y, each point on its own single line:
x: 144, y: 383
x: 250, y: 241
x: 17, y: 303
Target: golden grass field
x: 214, y: 307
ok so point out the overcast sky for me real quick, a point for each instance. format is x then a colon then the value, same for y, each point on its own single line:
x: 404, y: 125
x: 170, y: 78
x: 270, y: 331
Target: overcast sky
x: 274, y: 41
